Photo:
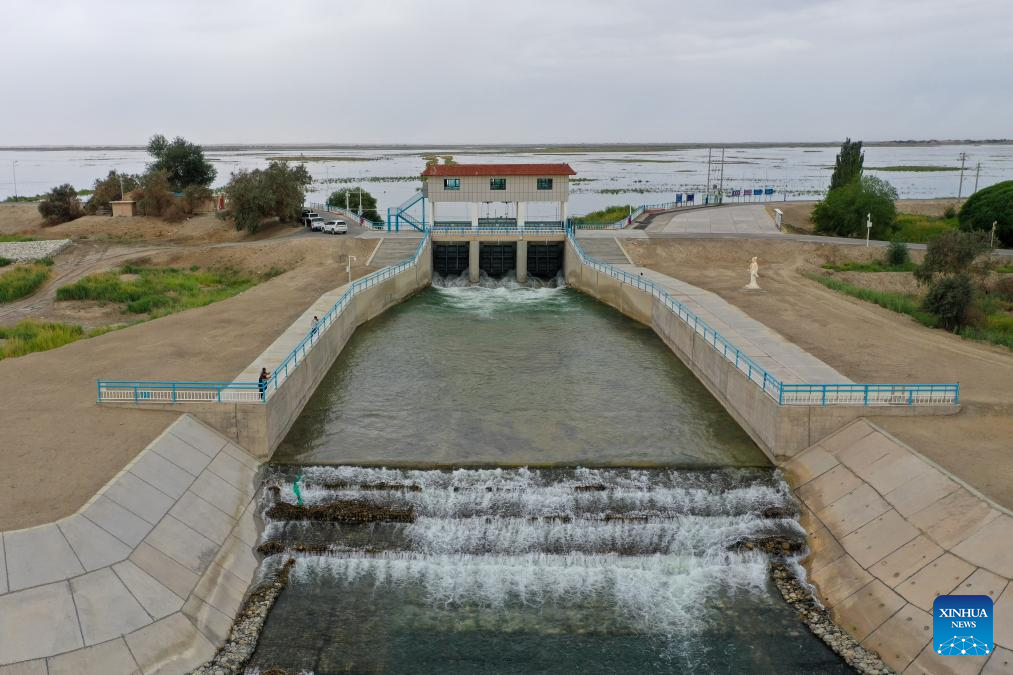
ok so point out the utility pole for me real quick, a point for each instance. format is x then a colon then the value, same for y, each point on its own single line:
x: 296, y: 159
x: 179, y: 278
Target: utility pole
x: 960, y: 190
x: 123, y: 194
x: 977, y: 172
x: 349, y: 267
x: 868, y: 228
x: 360, y: 201
x: 721, y: 189
x: 706, y: 199
x: 14, y: 171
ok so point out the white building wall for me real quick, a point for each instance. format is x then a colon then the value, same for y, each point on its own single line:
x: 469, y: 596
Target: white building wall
x: 518, y: 189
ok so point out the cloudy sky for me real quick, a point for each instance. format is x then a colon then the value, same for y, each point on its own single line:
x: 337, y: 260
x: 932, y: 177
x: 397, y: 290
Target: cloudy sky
x: 463, y: 71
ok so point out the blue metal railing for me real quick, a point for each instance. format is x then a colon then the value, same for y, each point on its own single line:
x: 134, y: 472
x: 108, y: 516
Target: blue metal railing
x: 351, y: 215
x: 782, y: 392
x: 140, y: 391
x: 493, y: 231
x: 399, y: 213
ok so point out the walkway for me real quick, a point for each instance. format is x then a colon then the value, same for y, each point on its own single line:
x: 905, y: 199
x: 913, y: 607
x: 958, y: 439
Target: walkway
x: 890, y: 531
x: 744, y: 219
x: 783, y: 359
x: 147, y: 576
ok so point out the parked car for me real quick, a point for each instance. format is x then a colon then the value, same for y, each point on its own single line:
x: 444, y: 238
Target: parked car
x: 316, y: 223
x: 308, y: 216
x: 335, y: 227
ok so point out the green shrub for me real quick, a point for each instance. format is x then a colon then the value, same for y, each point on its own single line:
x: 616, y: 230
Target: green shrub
x: 609, y: 214
x: 897, y: 254
x: 951, y: 253
x: 993, y: 204
x: 950, y: 212
x: 4, y: 262
x: 843, y: 212
x: 1003, y: 288
x: 950, y: 298
x: 21, y: 281
x: 60, y: 205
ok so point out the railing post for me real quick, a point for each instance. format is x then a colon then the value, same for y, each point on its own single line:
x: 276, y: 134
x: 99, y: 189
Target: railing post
x: 910, y: 395
x: 866, y: 394
x: 780, y: 393
x: 956, y: 393
x: 824, y: 401
x: 173, y: 392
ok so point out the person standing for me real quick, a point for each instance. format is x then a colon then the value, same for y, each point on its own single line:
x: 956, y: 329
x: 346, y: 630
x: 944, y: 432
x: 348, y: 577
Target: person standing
x: 262, y: 381
x: 314, y: 325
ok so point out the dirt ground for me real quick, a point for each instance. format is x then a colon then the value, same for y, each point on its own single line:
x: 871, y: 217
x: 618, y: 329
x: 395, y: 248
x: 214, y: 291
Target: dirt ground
x: 867, y: 344
x: 57, y: 448
x: 796, y: 214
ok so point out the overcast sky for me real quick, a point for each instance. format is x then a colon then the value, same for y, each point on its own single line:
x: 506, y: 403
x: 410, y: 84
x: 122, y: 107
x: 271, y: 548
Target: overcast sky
x: 524, y: 71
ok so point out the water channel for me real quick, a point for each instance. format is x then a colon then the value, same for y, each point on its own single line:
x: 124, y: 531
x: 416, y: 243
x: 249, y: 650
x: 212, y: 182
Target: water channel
x: 555, y: 493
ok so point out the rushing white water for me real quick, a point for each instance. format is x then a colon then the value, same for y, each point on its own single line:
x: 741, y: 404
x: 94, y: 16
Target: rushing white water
x: 495, y: 295
x: 652, y: 544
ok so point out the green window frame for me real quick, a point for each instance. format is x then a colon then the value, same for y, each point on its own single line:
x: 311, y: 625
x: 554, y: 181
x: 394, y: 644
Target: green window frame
x: 497, y: 183
x: 544, y: 183
x: 451, y: 183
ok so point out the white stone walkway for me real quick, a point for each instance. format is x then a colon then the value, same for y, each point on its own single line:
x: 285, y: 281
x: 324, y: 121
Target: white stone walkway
x: 147, y: 576
x: 739, y: 219
x: 780, y: 357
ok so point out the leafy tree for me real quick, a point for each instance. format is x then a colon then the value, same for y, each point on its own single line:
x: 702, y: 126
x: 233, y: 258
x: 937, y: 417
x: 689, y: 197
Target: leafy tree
x: 952, y: 252
x: 993, y: 204
x: 279, y: 190
x: 849, y: 163
x: 60, y: 205
x: 844, y: 211
x: 108, y: 190
x: 194, y: 196
x: 950, y: 298
x: 182, y: 161
x: 338, y: 198
x: 155, y: 194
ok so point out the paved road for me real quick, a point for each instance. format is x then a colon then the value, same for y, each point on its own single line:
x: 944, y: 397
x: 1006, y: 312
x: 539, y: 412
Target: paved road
x: 740, y: 219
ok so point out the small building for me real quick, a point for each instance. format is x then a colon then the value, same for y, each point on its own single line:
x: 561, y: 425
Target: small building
x: 124, y: 208
x: 516, y: 185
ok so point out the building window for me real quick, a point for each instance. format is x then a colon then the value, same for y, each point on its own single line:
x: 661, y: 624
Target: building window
x: 451, y: 183
x: 497, y: 183
x: 544, y: 183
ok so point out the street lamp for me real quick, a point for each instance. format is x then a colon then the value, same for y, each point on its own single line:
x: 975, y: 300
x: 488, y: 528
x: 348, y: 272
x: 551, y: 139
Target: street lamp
x: 349, y: 267
x: 868, y: 228
x: 14, y: 171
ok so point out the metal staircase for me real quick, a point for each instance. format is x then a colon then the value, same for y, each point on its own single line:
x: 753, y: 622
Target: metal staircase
x: 396, y: 215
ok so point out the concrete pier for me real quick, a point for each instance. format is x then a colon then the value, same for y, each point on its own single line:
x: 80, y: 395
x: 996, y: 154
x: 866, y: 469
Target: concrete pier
x: 473, y: 264
x: 522, y: 261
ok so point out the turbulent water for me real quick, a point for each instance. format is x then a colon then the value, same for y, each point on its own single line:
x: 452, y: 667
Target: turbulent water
x: 584, y: 565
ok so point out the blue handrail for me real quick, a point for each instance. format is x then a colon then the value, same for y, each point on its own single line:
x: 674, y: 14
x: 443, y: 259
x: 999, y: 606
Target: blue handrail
x: 172, y: 391
x: 783, y: 393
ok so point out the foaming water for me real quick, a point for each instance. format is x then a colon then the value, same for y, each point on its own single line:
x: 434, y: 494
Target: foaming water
x: 495, y: 295
x: 571, y: 565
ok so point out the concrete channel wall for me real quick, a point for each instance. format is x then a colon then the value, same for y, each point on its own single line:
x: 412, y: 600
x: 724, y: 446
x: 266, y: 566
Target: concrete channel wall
x: 781, y: 431
x: 147, y: 576
x: 260, y: 428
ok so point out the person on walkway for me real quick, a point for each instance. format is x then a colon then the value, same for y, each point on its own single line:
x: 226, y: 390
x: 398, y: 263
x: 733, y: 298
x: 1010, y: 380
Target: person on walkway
x: 262, y: 380
x: 314, y: 325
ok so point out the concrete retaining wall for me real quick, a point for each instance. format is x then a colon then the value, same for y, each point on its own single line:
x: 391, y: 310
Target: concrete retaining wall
x: 261, y: 428
x: 780, y: 431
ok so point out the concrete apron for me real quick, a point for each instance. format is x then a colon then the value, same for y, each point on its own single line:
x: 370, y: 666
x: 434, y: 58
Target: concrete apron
x: 889, y: 530
x: 145, y: 577
x: 260, y: 427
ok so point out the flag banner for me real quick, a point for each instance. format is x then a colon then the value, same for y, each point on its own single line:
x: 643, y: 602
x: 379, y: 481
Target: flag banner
x: 678, y: 198
x: 768, y: 191
x: 758, y: 191
x: 736, y: 193
x: 689, y: 197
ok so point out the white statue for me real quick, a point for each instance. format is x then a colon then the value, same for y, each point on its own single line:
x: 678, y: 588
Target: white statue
x: 754, y: 272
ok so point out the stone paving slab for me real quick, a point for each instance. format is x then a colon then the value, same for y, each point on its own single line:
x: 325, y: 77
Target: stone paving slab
x: 782, y: 358
x: 153, y: 567
x: 889, y: 532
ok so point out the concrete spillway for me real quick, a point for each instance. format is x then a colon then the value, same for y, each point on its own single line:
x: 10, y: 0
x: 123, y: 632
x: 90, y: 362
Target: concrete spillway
x: 497, y: 258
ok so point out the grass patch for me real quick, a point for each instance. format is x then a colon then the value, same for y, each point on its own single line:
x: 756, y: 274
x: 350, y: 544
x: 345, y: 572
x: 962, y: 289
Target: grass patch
x: 4, y: 262
x: 1004, y: 269
x: 872, y: 266
x: 14, y: 238
x: 896, y: 302
x: 997, y: 328
x: 158, y: 291
x: 914, y: 168
x: 610, y: 214
x: 31, y: 336
x: 917, y: 229
x: 22, y: 280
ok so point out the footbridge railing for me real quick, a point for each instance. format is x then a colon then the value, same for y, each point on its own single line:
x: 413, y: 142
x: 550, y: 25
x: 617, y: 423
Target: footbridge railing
x: 636, y: 213
x: 144, y: 391
x: 347, y: 213
x: 785, y: 393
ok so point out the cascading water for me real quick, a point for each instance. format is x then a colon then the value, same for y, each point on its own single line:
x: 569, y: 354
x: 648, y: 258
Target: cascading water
x: 427, y: 567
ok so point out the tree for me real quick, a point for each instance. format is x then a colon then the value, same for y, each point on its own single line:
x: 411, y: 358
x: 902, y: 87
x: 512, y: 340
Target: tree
x: 352, y: 195
x: 156, y: 194
x: 108, y: 190
x: 279, y: 190
x: 950, y: 298
x: 897, y: 255
x: 848, y: 166
x: 993, y: 204
x: 182, y: 161
x: 844, y: 211
x: 60, y: 205
x: 951, y: 252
